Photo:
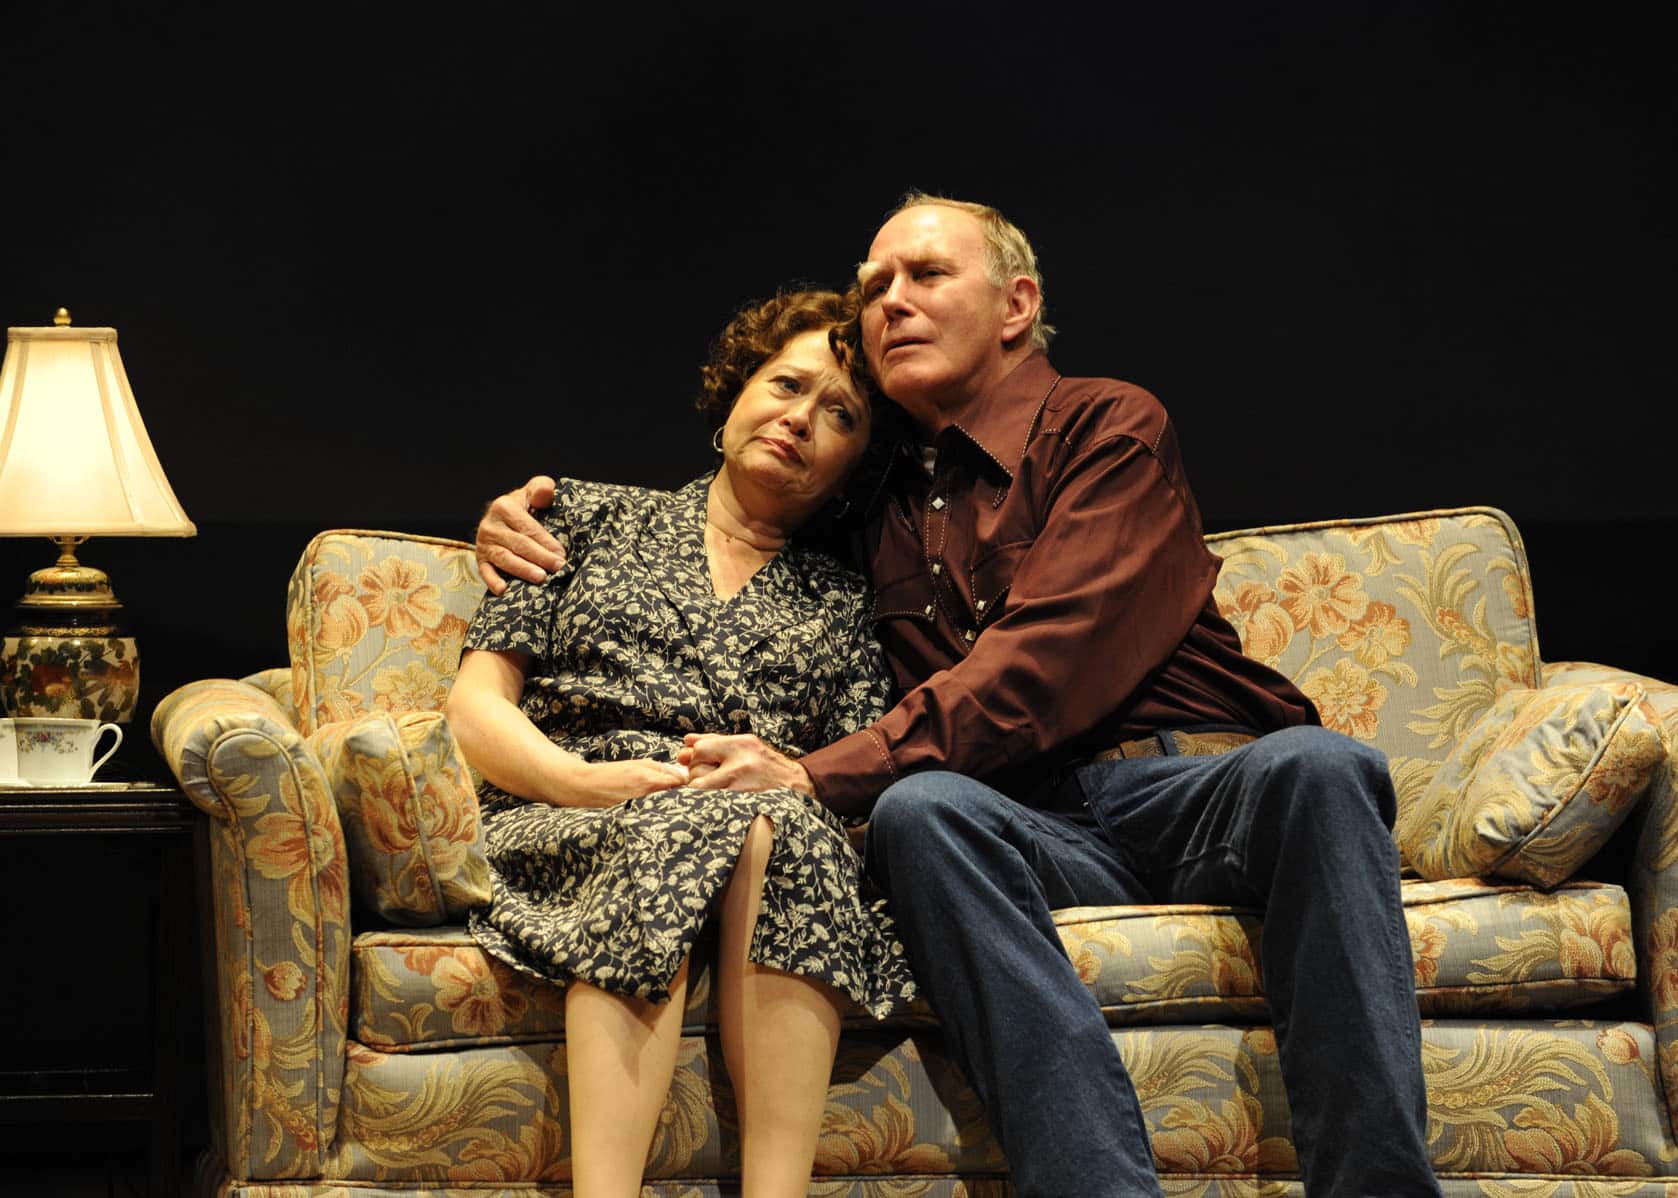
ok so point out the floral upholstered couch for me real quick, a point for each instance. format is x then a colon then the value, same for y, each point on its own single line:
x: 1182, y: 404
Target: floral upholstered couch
x: 363, y: 1045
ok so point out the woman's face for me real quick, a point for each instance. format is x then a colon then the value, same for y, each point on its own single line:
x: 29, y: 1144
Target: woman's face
x: 797, y: 428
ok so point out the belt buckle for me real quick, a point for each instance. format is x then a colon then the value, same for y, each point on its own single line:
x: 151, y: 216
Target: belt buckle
x: 1152, y: 745
x: 1211, y: 743
x: 1176, y: 742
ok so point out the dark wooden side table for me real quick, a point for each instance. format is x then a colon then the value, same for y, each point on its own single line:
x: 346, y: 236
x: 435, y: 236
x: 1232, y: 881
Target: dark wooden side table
x: 143, y: 817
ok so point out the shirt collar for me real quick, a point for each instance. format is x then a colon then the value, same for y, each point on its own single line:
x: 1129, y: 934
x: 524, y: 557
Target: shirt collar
x: 1001, y: 421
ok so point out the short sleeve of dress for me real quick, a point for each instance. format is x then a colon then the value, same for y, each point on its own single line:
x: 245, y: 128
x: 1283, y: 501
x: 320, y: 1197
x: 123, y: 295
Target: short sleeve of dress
x: 521, y: 618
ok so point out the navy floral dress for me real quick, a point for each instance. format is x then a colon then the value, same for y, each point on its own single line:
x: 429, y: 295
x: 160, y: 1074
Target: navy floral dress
x: 631, y: 649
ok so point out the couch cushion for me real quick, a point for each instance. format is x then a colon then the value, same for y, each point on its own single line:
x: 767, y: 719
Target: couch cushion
x: 375, y: 622
x: 1483, y: 949
x: 489, y: 1119
x: 411, y: 827
x: 1401, y: 629
x: 428, y: 988
x: 1574, y: 1102
x: 1548, y: 1099
x: 1536, y: 787
x: 435, y: 988
x: 1478, y: 948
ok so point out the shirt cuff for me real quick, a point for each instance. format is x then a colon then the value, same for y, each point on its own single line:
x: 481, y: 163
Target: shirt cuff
x: 850, y: 773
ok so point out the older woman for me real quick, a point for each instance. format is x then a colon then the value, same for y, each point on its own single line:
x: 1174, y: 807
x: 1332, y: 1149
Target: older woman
x: 698, y: 610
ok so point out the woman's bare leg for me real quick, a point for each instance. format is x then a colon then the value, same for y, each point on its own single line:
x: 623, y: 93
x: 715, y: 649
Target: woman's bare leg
x: 620, y: 1055
x: 779, y: 1036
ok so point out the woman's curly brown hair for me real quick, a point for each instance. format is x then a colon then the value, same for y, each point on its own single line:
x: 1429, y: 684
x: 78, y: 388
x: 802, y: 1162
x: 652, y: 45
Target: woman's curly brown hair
x: 759, y: 331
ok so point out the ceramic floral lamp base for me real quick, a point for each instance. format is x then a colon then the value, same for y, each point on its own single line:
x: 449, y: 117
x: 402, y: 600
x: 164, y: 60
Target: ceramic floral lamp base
x: 71, y: 676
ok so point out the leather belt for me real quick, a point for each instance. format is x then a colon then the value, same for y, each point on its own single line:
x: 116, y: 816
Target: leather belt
x: 1176, y: 742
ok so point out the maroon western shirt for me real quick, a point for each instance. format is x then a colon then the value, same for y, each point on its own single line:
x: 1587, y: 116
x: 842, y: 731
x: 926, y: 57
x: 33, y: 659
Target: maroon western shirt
x: 1046, y: 592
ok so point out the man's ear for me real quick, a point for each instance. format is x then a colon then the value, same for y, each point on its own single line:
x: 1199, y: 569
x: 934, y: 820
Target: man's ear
x: 1022, y: 299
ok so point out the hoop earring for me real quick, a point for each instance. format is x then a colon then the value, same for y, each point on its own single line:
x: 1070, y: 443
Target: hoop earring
x: 839, y: 513
x: 716, y: 441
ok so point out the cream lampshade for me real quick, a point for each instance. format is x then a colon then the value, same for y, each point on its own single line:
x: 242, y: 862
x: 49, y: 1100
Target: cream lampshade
x: 75, y: 462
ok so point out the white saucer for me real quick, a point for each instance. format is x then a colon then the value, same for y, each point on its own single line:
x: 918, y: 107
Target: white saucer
x: 48, y: 784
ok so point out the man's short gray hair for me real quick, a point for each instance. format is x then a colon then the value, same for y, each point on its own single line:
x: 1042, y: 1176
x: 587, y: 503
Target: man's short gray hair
x: 1008, y: 251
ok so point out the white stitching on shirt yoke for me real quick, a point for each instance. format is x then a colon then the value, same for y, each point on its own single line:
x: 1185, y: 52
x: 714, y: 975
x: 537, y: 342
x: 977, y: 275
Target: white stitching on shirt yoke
x: 1031, y: 429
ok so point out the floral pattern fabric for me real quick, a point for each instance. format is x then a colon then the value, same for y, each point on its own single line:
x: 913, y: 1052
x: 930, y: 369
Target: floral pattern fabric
x: 410, y: 815
x: 1512, y: 1103
x: 892, y: 1186
x: 374, y: 622
x: 279, y: 877
x: 327, y: 1047
x: 1538, y: 785
x: 1401, y: 629
x: 629, y: 648
x: 1476, y: 947
x: 925, y: 1186
x: 420, y: 990
x: 501, y: 1114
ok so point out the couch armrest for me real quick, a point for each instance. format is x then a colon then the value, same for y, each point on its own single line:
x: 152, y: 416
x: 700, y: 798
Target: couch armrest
x: 1652, y: 880
x: 280, y: 906
x: 281, y: 686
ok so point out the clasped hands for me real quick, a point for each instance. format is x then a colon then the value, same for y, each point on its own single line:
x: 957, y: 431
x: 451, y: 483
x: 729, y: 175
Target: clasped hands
x: 739, y: 762
x: 708, y: 761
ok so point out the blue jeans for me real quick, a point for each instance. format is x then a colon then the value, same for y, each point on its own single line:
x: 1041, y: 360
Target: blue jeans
x: 1298, y: 823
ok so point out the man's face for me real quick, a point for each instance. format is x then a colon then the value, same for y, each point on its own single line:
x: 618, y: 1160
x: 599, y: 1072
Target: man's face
x: 932, y: 321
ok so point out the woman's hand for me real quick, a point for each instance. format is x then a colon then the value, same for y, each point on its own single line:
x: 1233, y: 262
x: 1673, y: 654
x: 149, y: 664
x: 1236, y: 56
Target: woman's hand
x: 509, y: 538
x: 608, y: 783
x: 740, y: 763
x: 499, y: 739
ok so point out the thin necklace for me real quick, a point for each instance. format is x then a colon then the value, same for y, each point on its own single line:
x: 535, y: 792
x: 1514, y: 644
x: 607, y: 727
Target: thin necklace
x: 710, y: 523
x: 729, y: 536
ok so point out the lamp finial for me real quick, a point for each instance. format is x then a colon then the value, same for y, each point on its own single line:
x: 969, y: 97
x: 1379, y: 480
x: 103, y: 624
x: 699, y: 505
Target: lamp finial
x: 61, y: 317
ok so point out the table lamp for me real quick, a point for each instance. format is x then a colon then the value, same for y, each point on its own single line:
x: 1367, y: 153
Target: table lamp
x: 75, y: 462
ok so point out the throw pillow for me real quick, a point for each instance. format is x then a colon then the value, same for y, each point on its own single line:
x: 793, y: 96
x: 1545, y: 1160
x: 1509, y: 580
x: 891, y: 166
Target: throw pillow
x: 1537, y: 786
x: 411, y: 827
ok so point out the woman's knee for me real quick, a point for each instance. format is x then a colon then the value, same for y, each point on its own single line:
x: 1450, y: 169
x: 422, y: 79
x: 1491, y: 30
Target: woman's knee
x: 760, y: 837
x: 751, y: 866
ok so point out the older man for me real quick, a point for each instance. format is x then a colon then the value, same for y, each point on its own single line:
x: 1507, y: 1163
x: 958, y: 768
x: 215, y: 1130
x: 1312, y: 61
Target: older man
x: 1080, y: 726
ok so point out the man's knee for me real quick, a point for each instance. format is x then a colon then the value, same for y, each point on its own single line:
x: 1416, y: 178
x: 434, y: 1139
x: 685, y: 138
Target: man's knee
x: 919, y: 802
x: 1319, y: 773
x: 922, y: 822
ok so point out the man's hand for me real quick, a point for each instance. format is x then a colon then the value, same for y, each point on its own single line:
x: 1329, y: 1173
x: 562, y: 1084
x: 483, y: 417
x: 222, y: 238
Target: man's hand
x: 608, y: 783
x: 511, y: 539
x: 740, y: 763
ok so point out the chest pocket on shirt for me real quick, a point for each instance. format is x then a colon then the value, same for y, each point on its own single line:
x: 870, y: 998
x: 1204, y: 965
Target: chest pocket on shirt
x: 906, y: 598
x: 993, y: 576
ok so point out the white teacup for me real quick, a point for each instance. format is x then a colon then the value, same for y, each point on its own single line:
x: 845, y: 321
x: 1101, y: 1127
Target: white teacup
x: 54, y: 750
x: 8, y: 751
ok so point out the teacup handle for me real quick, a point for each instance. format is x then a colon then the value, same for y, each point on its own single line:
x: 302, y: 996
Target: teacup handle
x: 115, y: 745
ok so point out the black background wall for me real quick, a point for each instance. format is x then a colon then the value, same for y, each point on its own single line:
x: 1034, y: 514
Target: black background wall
x: 371, y: 266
